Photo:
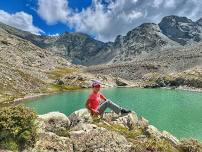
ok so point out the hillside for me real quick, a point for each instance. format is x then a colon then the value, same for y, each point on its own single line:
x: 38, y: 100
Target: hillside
x: 24, y: 66
x: 180, y: 63
x: 26, y: 70
x: 181, y: 29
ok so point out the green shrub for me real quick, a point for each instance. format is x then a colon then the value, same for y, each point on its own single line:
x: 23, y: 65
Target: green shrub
x: 18, y: 129
x: 128, y: 133
x: 153, y: 145
x: 60, y: 72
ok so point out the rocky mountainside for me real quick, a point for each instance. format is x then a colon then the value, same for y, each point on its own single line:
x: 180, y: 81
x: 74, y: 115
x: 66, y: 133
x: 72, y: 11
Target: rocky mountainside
x: 23, y: 66
x: 149, y: 38
x: 78, y: 48
x: 26, y: 69
x: 181, y: 29
x: 177, y: 65
x: 142, y: 40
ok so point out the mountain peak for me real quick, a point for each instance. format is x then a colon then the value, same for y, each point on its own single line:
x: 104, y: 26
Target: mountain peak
x: 180, y: 29
x: 174, y: 18
x: 199, y: 22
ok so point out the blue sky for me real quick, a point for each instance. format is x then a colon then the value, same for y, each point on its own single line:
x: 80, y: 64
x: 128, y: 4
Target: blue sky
x: 30, y: 6
x: 102, y: 19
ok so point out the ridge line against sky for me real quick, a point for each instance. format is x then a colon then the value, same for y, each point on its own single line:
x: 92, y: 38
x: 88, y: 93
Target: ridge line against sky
x: 102, y: 19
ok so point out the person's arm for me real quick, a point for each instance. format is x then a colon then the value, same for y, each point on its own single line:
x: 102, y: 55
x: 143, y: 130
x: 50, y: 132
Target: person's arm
x: 87, y: 104
x: 103, y: 97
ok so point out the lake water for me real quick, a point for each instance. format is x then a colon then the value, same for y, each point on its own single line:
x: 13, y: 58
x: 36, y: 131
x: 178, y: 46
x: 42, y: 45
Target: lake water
x: 179, y: 112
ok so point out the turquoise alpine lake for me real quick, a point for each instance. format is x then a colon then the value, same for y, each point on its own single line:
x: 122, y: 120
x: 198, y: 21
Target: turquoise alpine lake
x: 176, y: 111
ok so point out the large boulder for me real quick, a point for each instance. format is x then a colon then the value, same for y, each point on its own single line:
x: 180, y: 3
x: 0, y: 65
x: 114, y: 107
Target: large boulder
x: 130, y: 120
x: 54, y: 122
x: 99, y: 140
x: 80, y: 116
x: 50, y: 142
x: 152, y: 131
x: 170, y: 138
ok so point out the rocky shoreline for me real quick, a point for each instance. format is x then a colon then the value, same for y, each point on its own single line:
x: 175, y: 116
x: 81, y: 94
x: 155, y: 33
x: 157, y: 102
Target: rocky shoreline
x: 22, y: 130
x: 80, y: 132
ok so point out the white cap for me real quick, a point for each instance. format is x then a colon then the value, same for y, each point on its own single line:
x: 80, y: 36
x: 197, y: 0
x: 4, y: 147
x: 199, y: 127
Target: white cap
x: 96, y: 83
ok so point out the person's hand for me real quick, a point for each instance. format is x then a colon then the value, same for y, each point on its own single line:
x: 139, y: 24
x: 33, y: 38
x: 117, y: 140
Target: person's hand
x: 94, y: 112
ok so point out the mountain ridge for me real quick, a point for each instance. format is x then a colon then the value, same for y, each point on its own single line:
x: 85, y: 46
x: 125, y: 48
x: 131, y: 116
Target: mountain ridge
x: 80, y: 48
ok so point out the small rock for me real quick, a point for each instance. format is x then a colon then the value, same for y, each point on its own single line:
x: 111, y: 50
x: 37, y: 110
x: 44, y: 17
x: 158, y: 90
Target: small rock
x: 59, y: 82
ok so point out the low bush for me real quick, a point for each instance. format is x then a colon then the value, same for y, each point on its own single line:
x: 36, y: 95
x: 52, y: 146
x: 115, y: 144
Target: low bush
x: 18, y: 128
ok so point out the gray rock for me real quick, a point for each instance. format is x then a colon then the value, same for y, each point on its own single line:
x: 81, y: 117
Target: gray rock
x: 55, y: 122
x: 100, y: 140
x: 128, y: 121
x: 153, y: 132
x: 143, y: 123
x: 170, y: 138
x: 83, y: 127
x: 59, y: 82
x: 80, y: 116
x: 50, y: 142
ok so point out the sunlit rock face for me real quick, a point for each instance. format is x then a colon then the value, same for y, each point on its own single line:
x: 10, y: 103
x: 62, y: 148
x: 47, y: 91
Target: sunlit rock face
x: 181, y: 29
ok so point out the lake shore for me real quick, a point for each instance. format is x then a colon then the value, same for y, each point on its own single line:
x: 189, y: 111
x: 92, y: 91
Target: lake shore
x: 39, y: 95
x: 36, y: 96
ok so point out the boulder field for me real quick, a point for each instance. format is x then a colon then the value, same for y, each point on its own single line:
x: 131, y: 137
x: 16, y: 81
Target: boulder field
x: 79, y: 132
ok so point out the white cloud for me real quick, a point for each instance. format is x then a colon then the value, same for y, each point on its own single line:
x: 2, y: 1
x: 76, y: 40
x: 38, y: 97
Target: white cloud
x: 106, y: 21
x: 53, y: 11
x: 157, y: 3
x: 53, y: 35
x: 170, y: 3
x: 20, y: 20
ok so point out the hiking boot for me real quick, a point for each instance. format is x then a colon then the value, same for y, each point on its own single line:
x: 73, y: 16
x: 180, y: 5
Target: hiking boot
x: 124, y: 111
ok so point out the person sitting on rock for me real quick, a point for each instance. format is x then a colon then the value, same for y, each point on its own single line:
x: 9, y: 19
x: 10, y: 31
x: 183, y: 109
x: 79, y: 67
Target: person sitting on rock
x: 96, y: 108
